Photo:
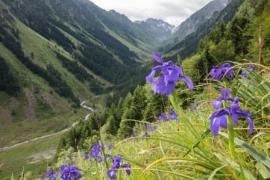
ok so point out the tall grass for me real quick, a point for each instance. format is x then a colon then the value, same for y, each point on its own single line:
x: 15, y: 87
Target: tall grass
x: 186, y: 149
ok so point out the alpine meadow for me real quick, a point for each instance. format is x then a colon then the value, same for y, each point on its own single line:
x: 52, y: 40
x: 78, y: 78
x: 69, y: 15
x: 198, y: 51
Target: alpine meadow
x: 99, y: 90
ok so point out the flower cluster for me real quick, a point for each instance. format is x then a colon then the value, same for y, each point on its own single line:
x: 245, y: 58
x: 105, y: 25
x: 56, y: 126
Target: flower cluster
x: 170, y: 74
x: 116, y: 165
x: 225, y: 70
x: 70, y: 172
x: 66, y: 173
x: 171, y: 116
x: 220, y: 117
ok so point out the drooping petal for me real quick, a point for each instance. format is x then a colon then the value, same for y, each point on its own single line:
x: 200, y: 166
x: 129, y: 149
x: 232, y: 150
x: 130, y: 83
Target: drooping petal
x: 157, y: 57
x: 188, y: 82
x: 218, y: 119
x: 151, y: 77
x: 215, y: 124
x: 248, y: 117
x: 223, y: 121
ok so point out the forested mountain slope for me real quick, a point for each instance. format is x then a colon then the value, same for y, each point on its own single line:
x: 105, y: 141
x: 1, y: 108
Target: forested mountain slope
x: 56, y: 53
x: 189, y: 44
x: 197, y: 19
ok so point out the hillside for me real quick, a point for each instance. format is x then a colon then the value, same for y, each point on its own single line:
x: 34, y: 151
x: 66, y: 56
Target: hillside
x: 217, y: 130
x: 55, y: 54
x: 189, y: 44
x: 197, y: 19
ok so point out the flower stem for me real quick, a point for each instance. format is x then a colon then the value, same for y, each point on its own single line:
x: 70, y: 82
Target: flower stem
x: 231, y: 137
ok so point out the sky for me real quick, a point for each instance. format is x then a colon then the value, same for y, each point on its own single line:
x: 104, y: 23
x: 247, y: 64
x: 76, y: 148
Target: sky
x: 171, y: 11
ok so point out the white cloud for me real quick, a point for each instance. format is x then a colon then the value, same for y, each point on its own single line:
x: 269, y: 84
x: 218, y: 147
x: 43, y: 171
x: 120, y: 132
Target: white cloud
x: 172, y: 11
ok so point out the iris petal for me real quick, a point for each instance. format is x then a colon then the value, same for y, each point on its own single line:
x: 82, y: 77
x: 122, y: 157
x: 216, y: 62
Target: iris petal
x: 188, y: 82
x: 157, y: 57
x: 150, y: 77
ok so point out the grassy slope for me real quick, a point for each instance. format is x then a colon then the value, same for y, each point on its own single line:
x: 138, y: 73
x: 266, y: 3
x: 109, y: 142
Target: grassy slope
x: 173, y: 152
x: 15, y: 160
x: 54, y: 115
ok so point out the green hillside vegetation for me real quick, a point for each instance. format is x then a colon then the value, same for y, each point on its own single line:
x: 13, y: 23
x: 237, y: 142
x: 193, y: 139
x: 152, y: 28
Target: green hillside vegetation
x: 186, y: 149
x: 52, y: 63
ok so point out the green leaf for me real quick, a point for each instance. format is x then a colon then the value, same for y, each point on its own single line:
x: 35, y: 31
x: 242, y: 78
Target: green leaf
x: 235, y: 166
x: 263, y: 170
x: 258, y: 156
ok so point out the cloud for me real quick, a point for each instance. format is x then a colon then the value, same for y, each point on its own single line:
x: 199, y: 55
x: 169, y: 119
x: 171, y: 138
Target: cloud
x: 172, y: 11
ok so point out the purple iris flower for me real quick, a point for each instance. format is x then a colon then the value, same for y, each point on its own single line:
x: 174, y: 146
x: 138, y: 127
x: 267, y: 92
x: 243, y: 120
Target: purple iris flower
x: 111, y: 173
x: 170, y: 75
x: 116, y: 165
x: 225, y: 70
x: 225, y: 96
x: 96, y: 151
x: 173, y: 115
x: 162, y: 117
x: 70, y: 173
x: 86, y: 156
x: 110, y: 147
x: 151, y: 127
x: 220, y: 117
x: 50, y: 174
x: 146, y: 134
x: 245, y: 72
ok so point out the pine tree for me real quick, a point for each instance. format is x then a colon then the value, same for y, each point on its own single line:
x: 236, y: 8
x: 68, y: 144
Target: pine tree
x: 156, y: 104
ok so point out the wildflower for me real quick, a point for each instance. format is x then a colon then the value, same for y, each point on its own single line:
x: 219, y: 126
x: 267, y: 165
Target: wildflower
x: 96, y: 151
x: 86, y: 156
x: 225, y: 96
x: 111, y: 173
x: 162, y: 117
x: 70, y: 173
x: 225, y: 70
x: 151, y: 127
x: 110, y: 147
x: 170, y: 75
x: 50, y: 174
x: 173, y: 115
x: 146, y: 134
x: 116, y: 165
x: 245, y: 72
x: 220, y: 117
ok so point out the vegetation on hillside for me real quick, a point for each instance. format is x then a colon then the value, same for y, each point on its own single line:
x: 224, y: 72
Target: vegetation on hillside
x: 204, y: 142
x: 216, y: 128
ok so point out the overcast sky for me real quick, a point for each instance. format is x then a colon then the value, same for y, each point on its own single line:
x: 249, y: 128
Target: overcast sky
x: 172, y: 11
